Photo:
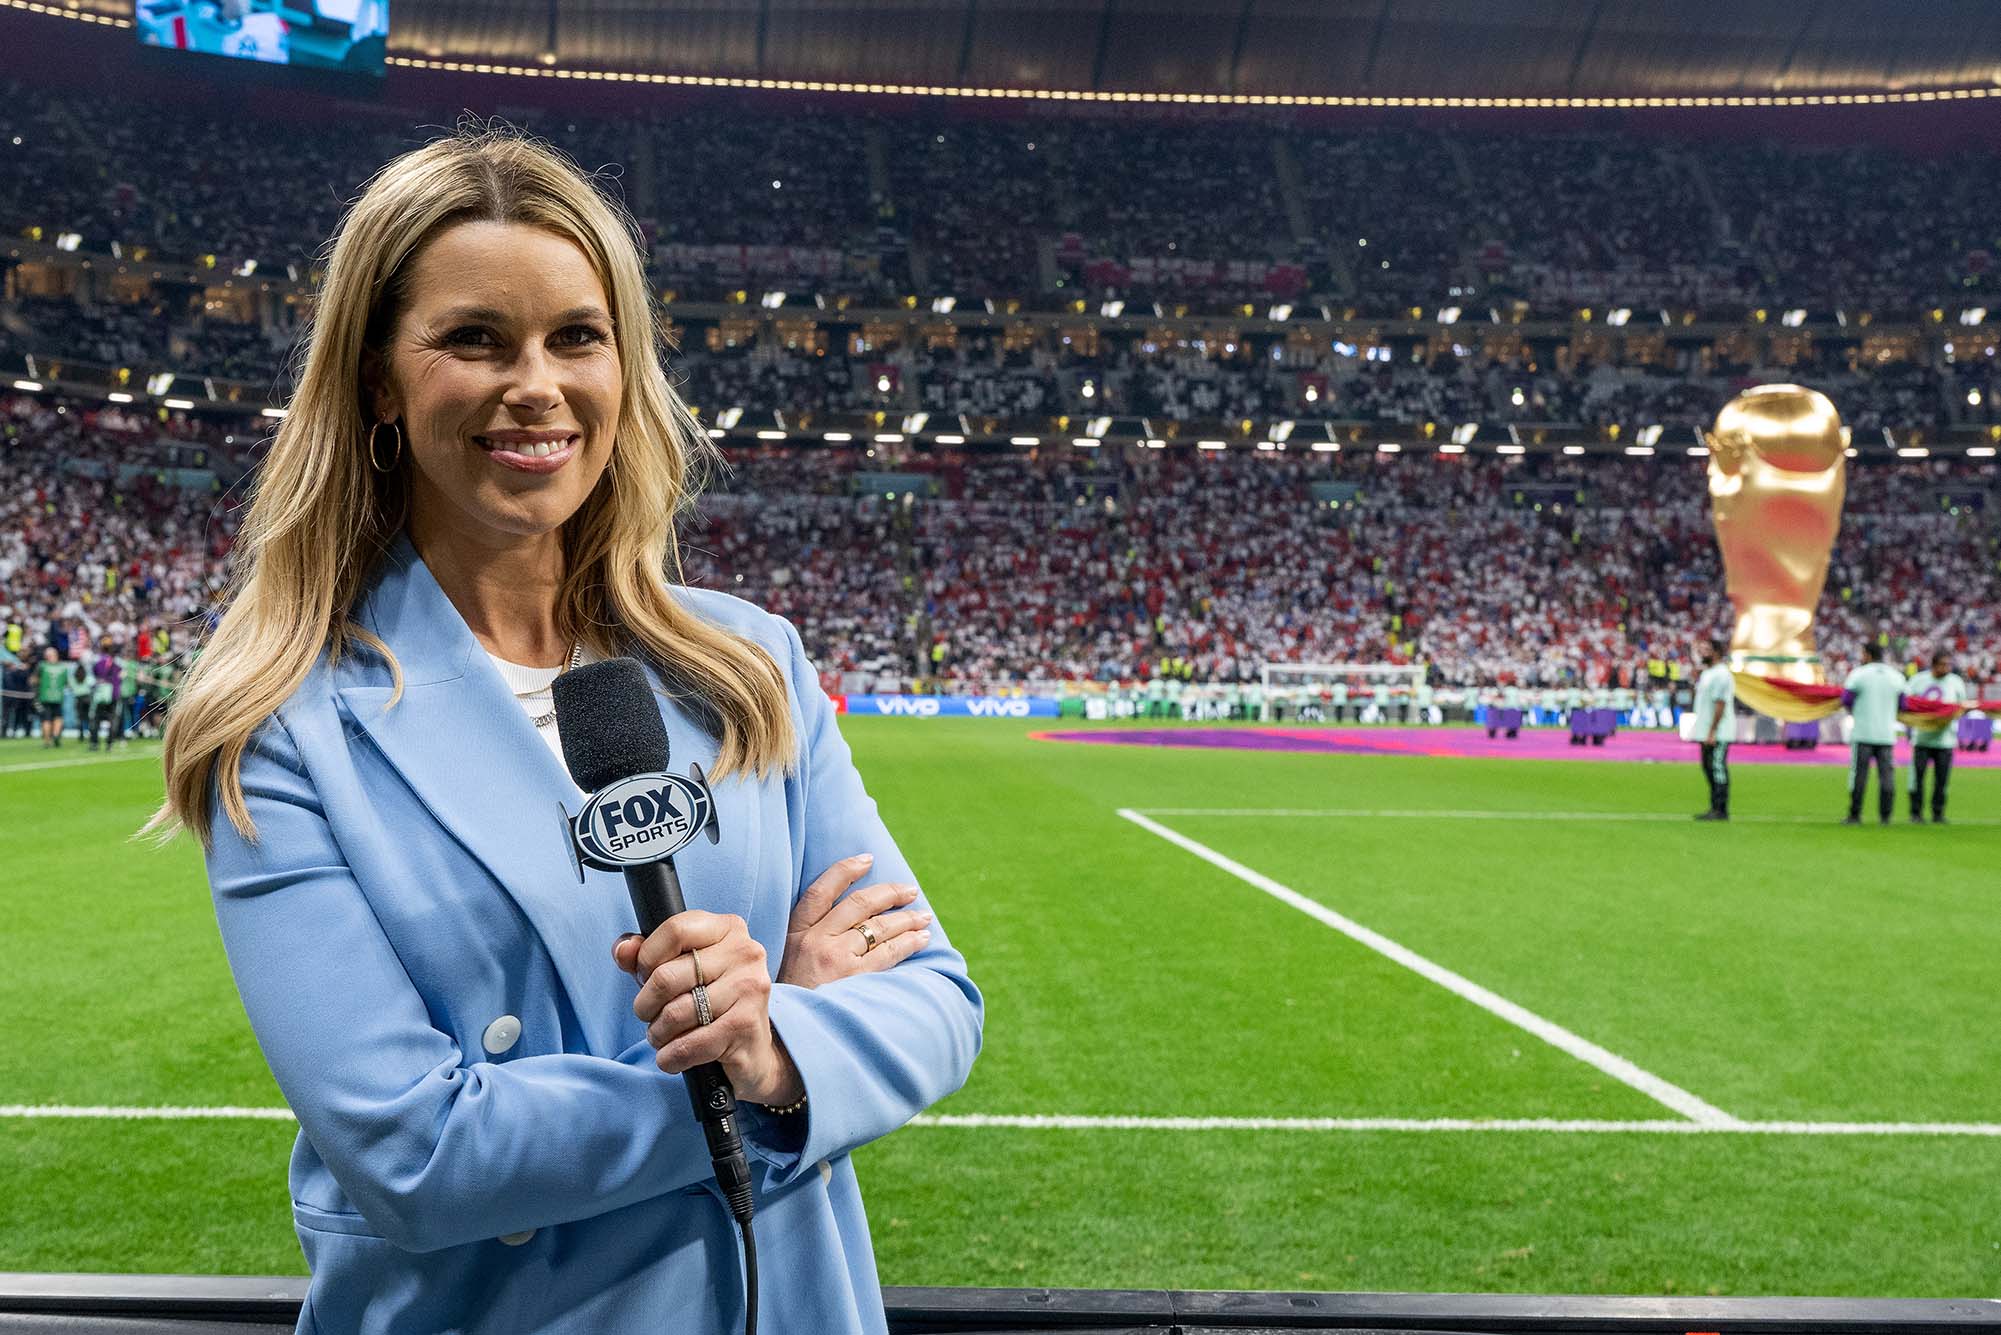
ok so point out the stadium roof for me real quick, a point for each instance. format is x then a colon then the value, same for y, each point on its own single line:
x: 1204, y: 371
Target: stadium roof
x: 1378, y: 48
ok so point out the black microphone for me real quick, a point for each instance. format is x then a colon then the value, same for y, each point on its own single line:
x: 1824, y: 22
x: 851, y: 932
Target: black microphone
x: 638, y: 815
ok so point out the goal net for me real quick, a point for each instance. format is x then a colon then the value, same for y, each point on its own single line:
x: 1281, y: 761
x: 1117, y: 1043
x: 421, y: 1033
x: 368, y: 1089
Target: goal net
x: 1336, y: 691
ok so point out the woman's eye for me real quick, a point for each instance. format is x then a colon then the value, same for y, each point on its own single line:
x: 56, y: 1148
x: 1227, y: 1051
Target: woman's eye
x: 576, y: 335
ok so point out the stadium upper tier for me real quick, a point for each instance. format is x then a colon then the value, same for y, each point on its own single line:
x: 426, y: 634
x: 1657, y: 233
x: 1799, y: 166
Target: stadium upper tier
x: 1066, y: 564
x: 1046, y: 212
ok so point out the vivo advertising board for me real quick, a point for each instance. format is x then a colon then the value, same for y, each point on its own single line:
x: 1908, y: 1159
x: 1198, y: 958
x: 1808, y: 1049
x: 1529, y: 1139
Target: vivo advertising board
x: 954, y: 706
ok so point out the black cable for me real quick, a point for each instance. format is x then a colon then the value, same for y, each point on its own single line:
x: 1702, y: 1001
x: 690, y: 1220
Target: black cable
x: 749, y: 1277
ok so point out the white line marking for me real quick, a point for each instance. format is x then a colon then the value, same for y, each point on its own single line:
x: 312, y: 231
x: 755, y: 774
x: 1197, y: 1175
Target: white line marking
x: 1356, y: 813
x: 144, y: 1114
x: 80, y: 760
x: 1655, y: 1088
x: 1548, y: 1125
x: 1064, y: 1122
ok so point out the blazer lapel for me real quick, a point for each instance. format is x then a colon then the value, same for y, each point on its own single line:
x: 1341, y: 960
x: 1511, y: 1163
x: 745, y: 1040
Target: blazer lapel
x: 472, y: 757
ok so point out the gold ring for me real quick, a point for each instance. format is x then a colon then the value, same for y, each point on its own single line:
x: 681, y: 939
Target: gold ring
x: 868, y: 935
x: 699, y: 980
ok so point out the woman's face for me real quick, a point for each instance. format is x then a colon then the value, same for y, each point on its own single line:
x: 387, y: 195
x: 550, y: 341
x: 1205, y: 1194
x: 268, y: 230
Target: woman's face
x: 506, y: 334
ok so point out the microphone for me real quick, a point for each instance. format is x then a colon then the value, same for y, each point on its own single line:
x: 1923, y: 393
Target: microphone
x: 638, y: 816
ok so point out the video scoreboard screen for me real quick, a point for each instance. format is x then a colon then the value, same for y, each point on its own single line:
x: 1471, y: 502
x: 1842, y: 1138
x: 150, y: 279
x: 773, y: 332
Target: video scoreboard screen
x: 348, y: 35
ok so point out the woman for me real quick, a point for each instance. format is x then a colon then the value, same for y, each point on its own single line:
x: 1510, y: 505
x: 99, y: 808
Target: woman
x: 493, y: 1133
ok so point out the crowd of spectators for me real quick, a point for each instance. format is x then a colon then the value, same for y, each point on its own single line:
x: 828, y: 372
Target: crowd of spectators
x: 1049, y: 208
x: 1095, y: 565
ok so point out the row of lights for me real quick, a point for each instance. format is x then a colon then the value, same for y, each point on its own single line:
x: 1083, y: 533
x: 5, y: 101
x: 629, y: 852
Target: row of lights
x: 548, y: 59
x: 1317, y: 447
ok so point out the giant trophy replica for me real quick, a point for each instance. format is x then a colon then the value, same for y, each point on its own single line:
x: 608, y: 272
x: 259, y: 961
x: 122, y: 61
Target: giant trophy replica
x: 1777, y: 475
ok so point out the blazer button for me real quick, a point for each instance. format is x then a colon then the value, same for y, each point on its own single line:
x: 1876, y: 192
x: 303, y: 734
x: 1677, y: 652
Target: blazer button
x: 500, y: 1036
x: 514, y: 1239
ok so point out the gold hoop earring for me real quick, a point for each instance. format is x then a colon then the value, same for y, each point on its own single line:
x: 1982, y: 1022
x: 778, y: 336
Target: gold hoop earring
x: 397, y: 458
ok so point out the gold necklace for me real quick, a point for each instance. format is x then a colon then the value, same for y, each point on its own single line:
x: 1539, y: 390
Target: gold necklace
x: 576, y: 659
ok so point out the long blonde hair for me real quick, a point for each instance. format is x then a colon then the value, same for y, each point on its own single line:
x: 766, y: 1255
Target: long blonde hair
x: 321, y: 518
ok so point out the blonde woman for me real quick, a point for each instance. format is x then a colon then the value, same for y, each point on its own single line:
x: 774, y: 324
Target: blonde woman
x: 474, y: 490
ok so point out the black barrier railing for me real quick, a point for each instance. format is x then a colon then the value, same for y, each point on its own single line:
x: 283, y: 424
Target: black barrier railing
x: 235, y: 1305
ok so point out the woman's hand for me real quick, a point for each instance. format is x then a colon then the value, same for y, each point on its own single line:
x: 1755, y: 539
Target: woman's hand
x: 738, y: 987
x: 821, y: 943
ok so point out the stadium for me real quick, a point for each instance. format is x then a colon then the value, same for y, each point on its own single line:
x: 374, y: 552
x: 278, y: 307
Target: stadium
x: 1291, y: 510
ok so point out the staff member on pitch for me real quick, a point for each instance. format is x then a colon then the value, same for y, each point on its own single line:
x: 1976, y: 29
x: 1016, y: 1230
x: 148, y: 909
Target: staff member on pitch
x: 1873, y: 694
x: 493, y: 1136
x: 1932, y: 748
x: 1716, y: 727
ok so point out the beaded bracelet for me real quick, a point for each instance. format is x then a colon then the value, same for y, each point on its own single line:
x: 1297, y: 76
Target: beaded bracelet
x: 788, y: 1108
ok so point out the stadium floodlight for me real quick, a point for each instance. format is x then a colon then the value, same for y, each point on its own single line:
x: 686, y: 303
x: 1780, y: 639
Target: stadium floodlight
x: 728, y: 418
x: 1912, y: 452
x: 1973, y: 315
x: 716, y: 433
x: 1980, y: 452
x: 837, y: 437
x: 1794, y: 318
x: 1452, y: 449
x: 69, y: 241
x: 1698, y: 451
x: 1085, y: 442
x: 267, y: 412
x: 943, y: 305
x: 31, y: 386
x: 914, y: 422
x: 1282, y: 430
x: 179, y: 403
x: 159, y: 382
x: 1098, y: 426
x: 950, y: 440
x: 1619, y: 316
x: 1268, y: 445
x: 771, y: 435
x: 1850, y: 451
x: 1463, y: 433
x: 1650, y: 435
x: 1088, y: 389
x: 1573, y: 449
x: 1280, y: 312
x: 1449, y: 315
x: 1389, y: 447
x: 888, y: 438
x: 1112, y: 310
x: 1210, y: 445
x: 1973, y: 398
x: 1016, y: 440
x: 1511, y: 449
x: 1326, y: 447
x: 1156, y: 444
x: 119, y: 396
x: 773, y: 300
x: 1640, y: 451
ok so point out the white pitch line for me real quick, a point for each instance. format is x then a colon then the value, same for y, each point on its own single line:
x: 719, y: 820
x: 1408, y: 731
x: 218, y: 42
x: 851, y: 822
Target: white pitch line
x: 1066, y: 1122
x: 1418, y: 813
x: 1625, y: 1072
x: 80, y: 760
x: 1546, y: 1125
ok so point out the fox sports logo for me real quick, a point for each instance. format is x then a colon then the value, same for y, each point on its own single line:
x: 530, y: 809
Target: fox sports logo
x: 644, y: 818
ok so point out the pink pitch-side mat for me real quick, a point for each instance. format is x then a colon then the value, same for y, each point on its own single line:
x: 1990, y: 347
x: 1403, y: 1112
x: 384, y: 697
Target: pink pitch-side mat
x: 1532, y: 744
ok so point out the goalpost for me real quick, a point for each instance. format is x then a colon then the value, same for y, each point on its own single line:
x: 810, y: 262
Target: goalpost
x: 1319, y: 685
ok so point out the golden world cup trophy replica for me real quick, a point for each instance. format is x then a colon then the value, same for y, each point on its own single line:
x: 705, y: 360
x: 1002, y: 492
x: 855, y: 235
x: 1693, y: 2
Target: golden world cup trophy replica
x: 1777, y: 475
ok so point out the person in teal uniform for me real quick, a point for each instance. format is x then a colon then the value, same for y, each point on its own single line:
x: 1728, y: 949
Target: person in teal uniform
x: 1873, y: 694
x: 1932, y: 748
x: 475, y: 490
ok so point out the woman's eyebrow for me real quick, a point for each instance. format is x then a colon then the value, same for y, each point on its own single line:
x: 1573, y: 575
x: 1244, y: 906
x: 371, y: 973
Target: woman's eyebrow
x: 493, y: 316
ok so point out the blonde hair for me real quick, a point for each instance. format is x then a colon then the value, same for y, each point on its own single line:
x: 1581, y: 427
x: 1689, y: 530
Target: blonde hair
x: 320, y: 517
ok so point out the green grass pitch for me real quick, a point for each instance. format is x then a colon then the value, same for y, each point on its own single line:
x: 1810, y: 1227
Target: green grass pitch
x: 1785, y: 970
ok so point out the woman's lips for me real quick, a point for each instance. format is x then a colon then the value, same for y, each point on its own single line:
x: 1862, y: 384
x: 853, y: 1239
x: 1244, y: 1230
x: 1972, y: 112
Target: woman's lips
x: 528, y: 463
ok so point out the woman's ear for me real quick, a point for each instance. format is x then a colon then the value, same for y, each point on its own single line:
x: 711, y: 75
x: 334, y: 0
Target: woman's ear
x: 376, y: 391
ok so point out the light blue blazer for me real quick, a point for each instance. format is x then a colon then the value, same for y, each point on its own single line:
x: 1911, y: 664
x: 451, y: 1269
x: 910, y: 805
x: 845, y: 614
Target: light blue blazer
x: 411, y: 903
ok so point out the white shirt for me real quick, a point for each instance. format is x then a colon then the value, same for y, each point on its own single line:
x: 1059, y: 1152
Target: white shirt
x: 540, y: 694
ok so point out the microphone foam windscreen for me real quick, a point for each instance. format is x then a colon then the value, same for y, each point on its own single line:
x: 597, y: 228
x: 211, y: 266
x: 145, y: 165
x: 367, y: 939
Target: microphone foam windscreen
x: 610, y: 727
